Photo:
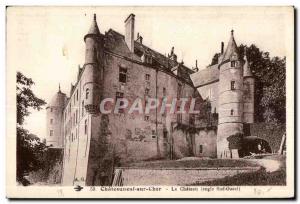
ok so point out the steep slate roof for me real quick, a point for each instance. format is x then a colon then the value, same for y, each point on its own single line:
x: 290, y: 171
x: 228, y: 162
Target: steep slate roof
x: 115, y: 42
x: 94, y: 29
x: 164, y: 61
x: 58, y: 100
x: 211, y: 73
x: 231, y: 48
x: 205, y: 76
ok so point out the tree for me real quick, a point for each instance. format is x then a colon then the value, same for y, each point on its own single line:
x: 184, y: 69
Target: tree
x: 215, y: 59
x: 270, y: 88
x: 30, y: 150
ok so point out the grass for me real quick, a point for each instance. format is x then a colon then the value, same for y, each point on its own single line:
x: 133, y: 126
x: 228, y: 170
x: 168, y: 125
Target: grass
x: 260, y: 177
x: 201, y: 163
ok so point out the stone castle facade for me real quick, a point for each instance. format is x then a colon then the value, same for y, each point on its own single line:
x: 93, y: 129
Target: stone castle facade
x: 118, y: 66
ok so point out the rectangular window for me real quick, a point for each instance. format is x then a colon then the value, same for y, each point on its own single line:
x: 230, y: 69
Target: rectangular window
x: 51, y: 109
x: 51, y: 121
x: 147, y: 77
x: 85, y: 127
x: 200, y: 149
x: 51, y: 132
x: 122, y: 75
x: 147, y: 90
x: 77, y: 95
x: 164, y: 91
x: 165, y: 134
x: 232, y: 85
x: 147, y: 117
x: 233, y: 63
x: 120, y: 95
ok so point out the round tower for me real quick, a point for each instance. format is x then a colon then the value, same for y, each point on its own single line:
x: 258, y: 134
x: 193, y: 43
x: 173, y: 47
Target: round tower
x: 230, y: 124
x: 93, y: 68
x: 249, y: 82
x: 54, y: 112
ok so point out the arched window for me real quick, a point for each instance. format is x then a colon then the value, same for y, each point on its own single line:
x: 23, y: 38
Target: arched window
x: 87, y: 92
x: 231, y: 112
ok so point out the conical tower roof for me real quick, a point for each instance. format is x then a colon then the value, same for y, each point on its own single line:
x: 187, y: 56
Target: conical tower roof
x: 246, y: 68
x: 231, y: 48
x: 59, y: 99
x: 94, y: 29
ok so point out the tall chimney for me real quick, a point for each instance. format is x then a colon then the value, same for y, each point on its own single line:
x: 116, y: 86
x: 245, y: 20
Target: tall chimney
x: 129, y: 32
x: 222, y: 47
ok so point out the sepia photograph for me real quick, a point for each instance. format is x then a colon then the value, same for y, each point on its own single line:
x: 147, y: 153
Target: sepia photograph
x: 152, y: 102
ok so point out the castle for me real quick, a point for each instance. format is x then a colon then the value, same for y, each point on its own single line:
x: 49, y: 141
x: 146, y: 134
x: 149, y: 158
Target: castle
x: 118, y: 66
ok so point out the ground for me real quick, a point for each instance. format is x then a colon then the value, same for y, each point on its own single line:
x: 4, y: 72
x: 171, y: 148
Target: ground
x: 272, y: 171
x: 192, y: 163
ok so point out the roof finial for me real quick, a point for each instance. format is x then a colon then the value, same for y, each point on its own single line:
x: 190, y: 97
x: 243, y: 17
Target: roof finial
x: 232, y: 32
x: 94, y: 17
x: 59, y: 87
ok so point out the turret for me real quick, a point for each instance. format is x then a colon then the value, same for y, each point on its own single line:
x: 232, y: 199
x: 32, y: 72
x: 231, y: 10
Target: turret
x: 230, y: 124
x: 249, y: 82
x: 93, y: 68
x: 54, y: 111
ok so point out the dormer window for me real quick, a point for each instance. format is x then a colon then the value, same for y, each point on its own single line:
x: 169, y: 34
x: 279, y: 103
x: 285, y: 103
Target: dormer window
x: 147, y: 58
x: 233, y: 63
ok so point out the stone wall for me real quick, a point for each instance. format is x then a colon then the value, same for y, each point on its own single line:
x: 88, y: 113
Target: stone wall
x: 136, y: 137
x: 206, y: 143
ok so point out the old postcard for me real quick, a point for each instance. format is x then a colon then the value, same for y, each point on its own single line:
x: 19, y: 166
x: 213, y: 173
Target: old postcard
x: 150, y: 102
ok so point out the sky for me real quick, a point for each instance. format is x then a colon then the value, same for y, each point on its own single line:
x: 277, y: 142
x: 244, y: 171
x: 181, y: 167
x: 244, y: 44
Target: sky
x: 46, y: 43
